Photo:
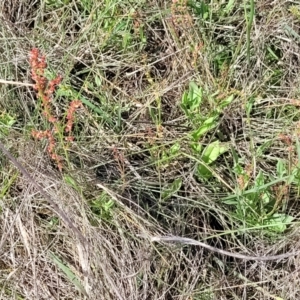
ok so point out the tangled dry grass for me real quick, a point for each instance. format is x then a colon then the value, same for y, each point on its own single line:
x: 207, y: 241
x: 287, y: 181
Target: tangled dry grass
x: 130, y: 63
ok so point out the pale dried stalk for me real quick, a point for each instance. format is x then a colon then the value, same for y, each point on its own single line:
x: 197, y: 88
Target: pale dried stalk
x: 16, y: 83
x: 188, y: 241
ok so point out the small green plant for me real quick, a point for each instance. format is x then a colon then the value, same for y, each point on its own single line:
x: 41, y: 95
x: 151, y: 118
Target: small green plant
x: 102, y: 206
x: 199, y: 8
x: 295, y: 11
x: 192, y: 105
x: 6, y: 122
x: 259, y: 203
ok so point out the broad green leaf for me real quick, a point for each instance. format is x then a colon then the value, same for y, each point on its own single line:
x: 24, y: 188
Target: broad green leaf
x: 195, y: 96
x: 184, y: 101
x: 225, y: 102
x: 203, y: 172
x: 204, y: 128
x: 265, y: 197
x: 213, y: 151
x: 196, y: 147
x: 279, y: 222
x: 192, y: 99
x: 209, y: 155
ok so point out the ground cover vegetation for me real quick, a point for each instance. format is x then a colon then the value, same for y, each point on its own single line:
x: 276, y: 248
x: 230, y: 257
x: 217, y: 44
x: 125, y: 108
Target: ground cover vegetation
x: 142, y: 119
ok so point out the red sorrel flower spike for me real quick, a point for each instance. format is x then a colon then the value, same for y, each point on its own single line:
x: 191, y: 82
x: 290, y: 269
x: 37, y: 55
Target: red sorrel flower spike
x: 38, y: 65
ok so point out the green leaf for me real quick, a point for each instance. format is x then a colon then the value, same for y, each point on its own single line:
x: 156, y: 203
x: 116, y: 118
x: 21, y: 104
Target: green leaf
x: 249, y: 106
x: 262, y: 148
x: 204, y: 128
x: 281, y: 168
x: 231, y: 202
x: 200, y: 8
x: 238, y: 169
x: 98, y: 81
x: 71, y: 182
x: 203, y: 171
x: 6, y: 122
x: 107, y: 206
x: 229, y: 6
x: 195, y: 95
x: 191, y: 100
x: 259, y: 180
x: 65, y: 91
x: 196, y: 147
x: 213, y: 151
x: 265, y: 197
x: 102, y: 206
x: 278, y: 222
x: 226, y: 102
x: 168, y: 154
x: 172, y: 189
x: 209, y: 155
x: 272, y: 54
x: 235, y: 156
x: 257, y: 189
x: 174, y: 149
x: 71, y: 276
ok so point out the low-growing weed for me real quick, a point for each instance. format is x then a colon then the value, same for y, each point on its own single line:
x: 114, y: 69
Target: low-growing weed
x: 203, y: 123
x: 102, y: 206
x: 262, y: 201
x: 6, y: 122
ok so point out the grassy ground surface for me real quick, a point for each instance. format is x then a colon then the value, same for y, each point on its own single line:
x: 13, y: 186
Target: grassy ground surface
x: 187, y: 124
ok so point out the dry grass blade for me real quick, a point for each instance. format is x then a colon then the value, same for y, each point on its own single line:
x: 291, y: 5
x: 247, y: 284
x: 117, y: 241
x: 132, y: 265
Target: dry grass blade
x: 187, y: 241
x: 16, y: 83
